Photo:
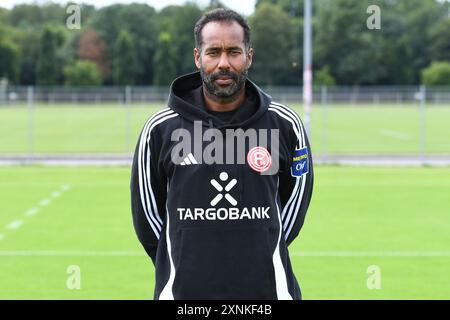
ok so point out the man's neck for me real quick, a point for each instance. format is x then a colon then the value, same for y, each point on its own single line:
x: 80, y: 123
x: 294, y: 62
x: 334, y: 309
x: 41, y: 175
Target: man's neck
x: 214, y: 103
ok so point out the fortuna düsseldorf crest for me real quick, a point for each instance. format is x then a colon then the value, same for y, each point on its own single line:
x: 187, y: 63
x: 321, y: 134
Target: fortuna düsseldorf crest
x: 259, y: 159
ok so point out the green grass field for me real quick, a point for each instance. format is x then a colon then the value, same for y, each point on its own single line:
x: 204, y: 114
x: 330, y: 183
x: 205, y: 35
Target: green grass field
x: 338, y: 129
x: 394, y: 218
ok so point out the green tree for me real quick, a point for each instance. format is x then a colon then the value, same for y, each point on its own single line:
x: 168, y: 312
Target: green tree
x: 322, y: 77
x: 272, y: 43
x: 82, y: 73
x: 392, y: 47
x: 418, y: 18
x: 29, y: 44
x: 439, y: 48
x: 91, y: 47
x: 294, y: 75
x: 395, y: 54
x: 49, y: 67
x: 182, y: 40
x: 9, y: 60
x: 437, y: 74
x: 164, y: 64
x: 215, y: 4
x: 125, y: 66
x: 292, y: 8
x: 4, y: 15
x: 34, y: 15
x: 142, y: 24
x: 343, y: 41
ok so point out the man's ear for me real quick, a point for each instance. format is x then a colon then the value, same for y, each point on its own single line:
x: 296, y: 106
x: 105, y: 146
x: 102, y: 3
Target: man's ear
x: 249, y: 57
x: 197, y: 54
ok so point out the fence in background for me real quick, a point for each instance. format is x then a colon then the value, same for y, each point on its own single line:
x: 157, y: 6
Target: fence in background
x: 11, y: 95
x: 410, y: 122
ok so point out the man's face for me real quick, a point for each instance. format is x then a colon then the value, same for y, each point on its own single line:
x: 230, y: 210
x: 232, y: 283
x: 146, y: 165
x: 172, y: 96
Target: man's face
x: 223, y: 60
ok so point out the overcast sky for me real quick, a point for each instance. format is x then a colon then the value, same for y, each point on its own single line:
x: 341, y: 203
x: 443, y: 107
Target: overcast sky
x: 242, y: 6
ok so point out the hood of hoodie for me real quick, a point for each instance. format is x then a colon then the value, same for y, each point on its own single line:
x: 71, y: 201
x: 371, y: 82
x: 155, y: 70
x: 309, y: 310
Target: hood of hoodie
x: 184, y: 101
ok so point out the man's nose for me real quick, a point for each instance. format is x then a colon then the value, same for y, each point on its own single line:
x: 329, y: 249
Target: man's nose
x: 224, y: 64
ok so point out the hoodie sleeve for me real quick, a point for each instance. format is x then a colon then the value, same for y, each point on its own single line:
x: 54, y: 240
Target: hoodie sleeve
x: 148, y: 192
x: 296, y: 184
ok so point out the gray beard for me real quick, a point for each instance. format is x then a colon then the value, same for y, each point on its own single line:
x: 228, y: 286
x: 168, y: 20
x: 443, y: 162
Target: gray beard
x: 224, y: 94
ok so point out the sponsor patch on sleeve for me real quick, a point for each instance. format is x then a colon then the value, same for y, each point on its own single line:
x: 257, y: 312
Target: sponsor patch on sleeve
x: 300, y: 163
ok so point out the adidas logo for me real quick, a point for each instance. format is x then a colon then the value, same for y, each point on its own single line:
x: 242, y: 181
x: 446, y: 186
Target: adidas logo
x: 189, y: 160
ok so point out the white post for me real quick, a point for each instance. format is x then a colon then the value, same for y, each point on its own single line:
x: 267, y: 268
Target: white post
x: 323, y: 103
x: 30, y: 97
x: 3, y: 91
x: 307, y: 65
x: 128, y: 117
x: 422, y: 122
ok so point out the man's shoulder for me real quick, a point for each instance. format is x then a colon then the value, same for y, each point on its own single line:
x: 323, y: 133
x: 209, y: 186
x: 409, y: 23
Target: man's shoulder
x: 286, y: 114
x: 288, y: 118
x: 161, y: 119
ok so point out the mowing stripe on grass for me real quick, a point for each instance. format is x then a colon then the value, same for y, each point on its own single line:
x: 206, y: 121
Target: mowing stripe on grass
x: 50, y: 253
x: 2, y: 236
x: 395, y: 134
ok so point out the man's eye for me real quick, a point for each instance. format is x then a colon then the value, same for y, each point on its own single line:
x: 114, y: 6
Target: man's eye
x: 234, y: 52
x: 213, y: 53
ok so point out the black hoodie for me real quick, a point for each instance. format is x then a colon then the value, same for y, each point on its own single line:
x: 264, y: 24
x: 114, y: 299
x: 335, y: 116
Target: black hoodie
x: 217, y: 219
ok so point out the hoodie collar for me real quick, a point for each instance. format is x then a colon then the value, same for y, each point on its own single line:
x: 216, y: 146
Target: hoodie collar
x: 185, y: 100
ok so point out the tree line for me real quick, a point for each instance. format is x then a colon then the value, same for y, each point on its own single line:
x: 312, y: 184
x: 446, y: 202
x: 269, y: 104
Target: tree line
x: 137, y: 45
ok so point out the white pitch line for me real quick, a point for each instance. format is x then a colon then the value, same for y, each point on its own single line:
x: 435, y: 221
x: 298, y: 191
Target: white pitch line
x: 31, y: 212
x: 395, y: 134
x: 49, y: 253
x: 410, y: 254
x: 72, y: 253
x: 44, y: 202
x: 55, y: 194
x: 15, y: 224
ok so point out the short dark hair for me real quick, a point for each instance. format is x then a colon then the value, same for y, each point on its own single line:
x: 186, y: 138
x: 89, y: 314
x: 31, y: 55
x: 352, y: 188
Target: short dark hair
x: 221, y: 14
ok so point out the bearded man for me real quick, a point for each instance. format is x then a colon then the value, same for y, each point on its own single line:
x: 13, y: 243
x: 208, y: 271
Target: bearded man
x: 216, y: 224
